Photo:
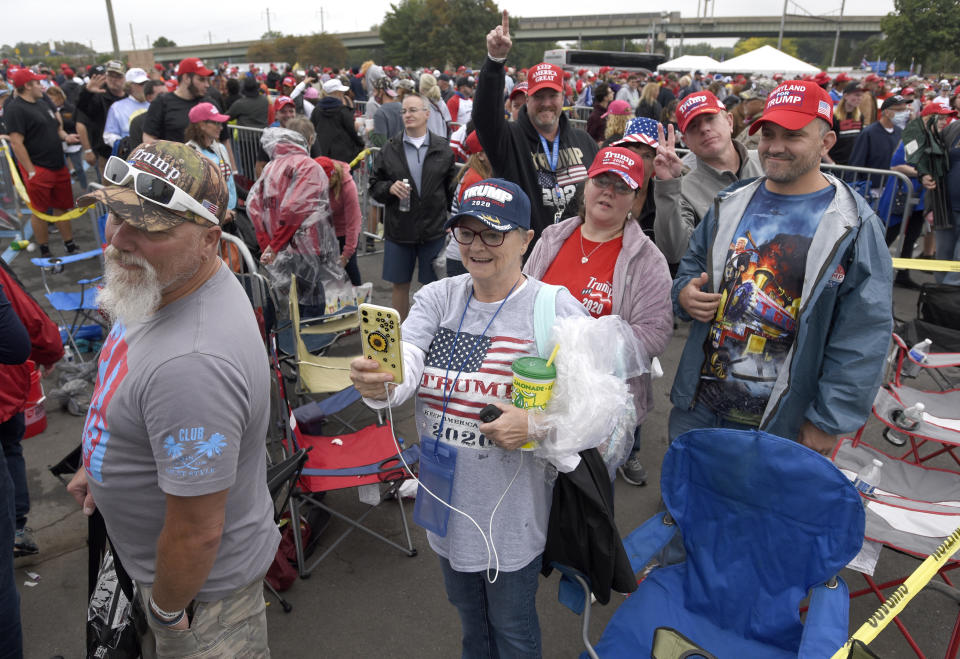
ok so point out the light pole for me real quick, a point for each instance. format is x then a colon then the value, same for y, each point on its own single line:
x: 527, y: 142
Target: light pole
x: 836, y: 40
x: 783, y: 19
x: 113, y: 30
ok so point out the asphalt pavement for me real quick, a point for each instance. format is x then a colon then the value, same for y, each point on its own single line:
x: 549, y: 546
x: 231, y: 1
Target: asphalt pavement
x: 366, y: 599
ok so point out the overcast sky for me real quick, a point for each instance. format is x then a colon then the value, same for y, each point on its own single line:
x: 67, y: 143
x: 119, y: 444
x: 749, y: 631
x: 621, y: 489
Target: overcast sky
x: 192, y: 22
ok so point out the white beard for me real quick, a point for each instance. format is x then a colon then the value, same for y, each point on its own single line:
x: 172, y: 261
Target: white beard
x: 128, y: 296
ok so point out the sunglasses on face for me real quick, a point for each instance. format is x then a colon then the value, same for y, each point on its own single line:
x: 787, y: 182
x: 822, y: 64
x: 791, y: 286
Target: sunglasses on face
x: 154, y: 189
x: 490, y: 237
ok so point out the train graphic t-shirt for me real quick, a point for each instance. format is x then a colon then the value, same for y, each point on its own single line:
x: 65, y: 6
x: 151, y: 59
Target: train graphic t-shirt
x: 760, y: 292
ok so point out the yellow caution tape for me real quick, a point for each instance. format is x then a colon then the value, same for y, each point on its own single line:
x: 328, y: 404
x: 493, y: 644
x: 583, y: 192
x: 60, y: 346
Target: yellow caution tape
x: 899, y: 598
x: 360, y: 156
x: 926, y: 264
x: 22, y: 191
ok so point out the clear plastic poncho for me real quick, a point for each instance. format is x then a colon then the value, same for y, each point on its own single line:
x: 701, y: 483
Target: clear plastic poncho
x: 290, y: 209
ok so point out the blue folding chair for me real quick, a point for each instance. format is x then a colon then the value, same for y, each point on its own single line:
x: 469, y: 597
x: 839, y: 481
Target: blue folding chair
x: 765, y: 522
x: 82, y: 303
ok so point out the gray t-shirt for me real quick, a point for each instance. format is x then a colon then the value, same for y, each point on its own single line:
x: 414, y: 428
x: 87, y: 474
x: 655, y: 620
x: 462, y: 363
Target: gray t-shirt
x: 181, y: 407
x: 483, y: 470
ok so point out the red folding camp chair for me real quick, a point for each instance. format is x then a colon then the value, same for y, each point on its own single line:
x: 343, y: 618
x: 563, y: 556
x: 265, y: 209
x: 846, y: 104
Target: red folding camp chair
x: 366, y: 457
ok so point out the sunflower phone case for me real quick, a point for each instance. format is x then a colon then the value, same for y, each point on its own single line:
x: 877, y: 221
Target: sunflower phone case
x: 380, y: 337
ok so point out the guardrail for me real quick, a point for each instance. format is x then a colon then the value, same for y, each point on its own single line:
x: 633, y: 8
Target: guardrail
x: 246, y: 146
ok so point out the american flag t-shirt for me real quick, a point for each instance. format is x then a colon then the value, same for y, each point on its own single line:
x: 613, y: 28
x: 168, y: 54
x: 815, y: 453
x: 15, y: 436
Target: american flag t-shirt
x: 485, y: 377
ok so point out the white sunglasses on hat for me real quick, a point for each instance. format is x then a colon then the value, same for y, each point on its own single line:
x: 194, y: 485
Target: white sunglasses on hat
x: 154, y: 189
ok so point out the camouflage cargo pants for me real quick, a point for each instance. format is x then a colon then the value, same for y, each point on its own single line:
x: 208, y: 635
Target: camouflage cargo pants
x: 235, y: 626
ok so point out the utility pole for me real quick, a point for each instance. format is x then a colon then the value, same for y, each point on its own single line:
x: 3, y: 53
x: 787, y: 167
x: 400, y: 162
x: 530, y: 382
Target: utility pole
x: 269, y: 31
x: 113, y: 30
x: 133, y: 42
x: 783, y: 19
x: 321, y: 21
x: 836, y: 40
x: 210, y: 37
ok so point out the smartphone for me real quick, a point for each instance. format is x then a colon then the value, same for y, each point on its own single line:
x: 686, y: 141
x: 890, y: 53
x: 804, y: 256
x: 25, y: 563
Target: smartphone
x: 380, y: 338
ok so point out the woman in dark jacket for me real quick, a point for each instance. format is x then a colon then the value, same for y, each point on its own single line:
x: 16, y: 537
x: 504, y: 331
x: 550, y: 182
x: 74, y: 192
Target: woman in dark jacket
x: 602, y: 96
x: 336, y: 134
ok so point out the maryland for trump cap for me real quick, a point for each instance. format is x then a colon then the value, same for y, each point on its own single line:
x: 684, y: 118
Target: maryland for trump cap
x: 696, y: 104
x: 544, y: 76
x: 794, y: 104
x: 499, y: 204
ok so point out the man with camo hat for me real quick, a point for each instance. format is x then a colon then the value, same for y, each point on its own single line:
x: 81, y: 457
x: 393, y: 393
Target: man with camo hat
x: 173, y: 443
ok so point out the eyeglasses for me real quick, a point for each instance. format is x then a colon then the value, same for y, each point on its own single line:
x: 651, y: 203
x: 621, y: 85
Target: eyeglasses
x: 490, y: 238
x: 154, y: 189
x: 606, y: 181
x: 412, y: 110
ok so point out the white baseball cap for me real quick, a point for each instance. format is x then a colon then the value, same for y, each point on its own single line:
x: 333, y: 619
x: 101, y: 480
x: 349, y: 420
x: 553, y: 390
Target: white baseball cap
x: 334, y: 85
x: 138, y: 76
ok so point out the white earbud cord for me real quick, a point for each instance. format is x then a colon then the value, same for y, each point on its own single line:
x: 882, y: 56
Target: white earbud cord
x: 492, y: 556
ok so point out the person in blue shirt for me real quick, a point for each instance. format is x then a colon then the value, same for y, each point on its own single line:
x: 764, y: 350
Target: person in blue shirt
x: 875, y: 145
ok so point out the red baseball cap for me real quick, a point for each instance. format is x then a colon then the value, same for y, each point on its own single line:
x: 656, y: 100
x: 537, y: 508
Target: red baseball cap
x: 696, y: 104
x: 544, y: 76
x: 519, y: 88
x: 206, y: 112
x: 23, y: 76
x: 908, y: 91
x: 794, y: 104
x: 937, y: 108
x: 873, y: 77
x: 171, y: 85
x: 290, y: 81
x: 822, y: 78
x: 472, y: 145
x: 282, y: 101
x: 842, y: 77
x: 622, y: 162
x: 193, y: 65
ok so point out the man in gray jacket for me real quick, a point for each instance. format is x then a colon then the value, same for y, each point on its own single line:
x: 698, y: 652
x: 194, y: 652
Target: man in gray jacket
x: 683, y: 200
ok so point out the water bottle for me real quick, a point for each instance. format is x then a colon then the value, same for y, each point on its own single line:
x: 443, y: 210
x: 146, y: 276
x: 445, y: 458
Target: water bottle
x: 918, y: 354
x: 868, y: 478
x: 909, y: 418
x: 17, y: 245
x: 404, y: 205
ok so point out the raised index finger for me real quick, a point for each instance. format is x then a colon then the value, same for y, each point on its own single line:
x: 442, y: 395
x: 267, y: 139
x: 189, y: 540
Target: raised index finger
x: 506, y: 23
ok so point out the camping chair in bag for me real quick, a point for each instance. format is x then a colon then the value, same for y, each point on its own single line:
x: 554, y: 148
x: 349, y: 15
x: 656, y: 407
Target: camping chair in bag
x: 80, y: 305
x: 282, y: 478
x: 765, y: 521
x: 363, y: 458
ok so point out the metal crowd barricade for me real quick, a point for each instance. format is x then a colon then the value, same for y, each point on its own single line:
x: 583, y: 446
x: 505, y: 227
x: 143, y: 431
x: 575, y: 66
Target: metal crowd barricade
x: 870, y: 184
x: 579, y: 113
x: 578, y: 123
x: 246, y: 145
x: 370, y: 209
x: 13, y: 217
x: 360, y: 108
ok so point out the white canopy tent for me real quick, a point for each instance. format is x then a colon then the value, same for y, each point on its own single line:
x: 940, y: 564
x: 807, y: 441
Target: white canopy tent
x: 766, y: 60
x: 689, y: 63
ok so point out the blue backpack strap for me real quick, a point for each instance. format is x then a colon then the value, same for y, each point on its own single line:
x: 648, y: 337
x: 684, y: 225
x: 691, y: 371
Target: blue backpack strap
x: 544, y: 314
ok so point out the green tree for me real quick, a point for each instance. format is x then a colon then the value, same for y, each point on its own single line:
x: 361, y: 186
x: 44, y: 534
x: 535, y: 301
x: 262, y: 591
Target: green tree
x: 438, y: 32
x: 926, y: 30
x: 716, y: 52
x: 746, y: 45
x: 323, y: 49
x: 163, y: 42
x: 271, y: 35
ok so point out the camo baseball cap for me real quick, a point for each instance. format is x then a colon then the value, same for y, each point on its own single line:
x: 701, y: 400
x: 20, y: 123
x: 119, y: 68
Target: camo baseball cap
x: 177, y: 164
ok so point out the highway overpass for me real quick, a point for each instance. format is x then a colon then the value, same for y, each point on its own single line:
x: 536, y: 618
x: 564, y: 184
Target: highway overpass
x: 604, y: 26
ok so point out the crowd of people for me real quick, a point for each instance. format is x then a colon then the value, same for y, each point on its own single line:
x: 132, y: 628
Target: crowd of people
x: 494, y: 187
